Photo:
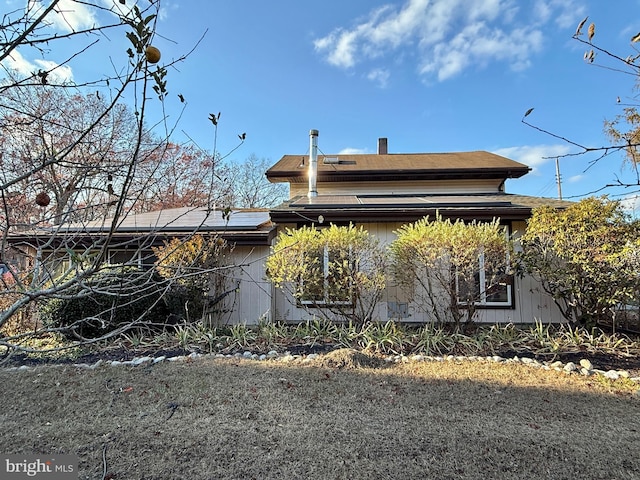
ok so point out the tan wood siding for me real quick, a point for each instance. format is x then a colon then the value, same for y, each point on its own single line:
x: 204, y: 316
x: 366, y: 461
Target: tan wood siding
x: 531, y: 303
x: 404, y: 188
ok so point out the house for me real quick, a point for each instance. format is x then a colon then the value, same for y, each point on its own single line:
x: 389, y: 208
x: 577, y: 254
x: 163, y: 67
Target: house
x: 383, y: 191
x: 380, y: 192
x: 132, y: 238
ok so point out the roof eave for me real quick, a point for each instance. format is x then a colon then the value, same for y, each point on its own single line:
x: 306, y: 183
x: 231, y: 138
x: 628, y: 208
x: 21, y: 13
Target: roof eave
x: 341, y: 215
x: 300, y: 176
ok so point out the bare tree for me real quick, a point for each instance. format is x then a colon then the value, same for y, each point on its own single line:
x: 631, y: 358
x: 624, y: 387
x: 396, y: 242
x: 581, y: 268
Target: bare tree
x: 174, y: 176
x: 39, y: 121
x: 58, y: 156
x: 624, y: 130
x: 250, y: 187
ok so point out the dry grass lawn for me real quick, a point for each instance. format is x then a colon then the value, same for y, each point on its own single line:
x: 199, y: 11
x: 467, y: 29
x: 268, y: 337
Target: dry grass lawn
x: 237, y: 419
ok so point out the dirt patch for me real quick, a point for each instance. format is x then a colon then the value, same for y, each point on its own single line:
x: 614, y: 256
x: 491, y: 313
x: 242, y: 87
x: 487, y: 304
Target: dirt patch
x: 349, y: 358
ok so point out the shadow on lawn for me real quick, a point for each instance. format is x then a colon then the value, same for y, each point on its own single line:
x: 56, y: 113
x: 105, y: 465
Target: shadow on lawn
x: 229, y: 419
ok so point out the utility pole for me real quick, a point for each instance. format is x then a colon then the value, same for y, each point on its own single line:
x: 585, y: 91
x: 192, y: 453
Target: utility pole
x: 558, y: 178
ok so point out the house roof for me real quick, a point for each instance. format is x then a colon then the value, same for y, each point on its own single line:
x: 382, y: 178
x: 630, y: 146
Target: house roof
x: 408, y: 208
x: 397, y: 166
x: 242, y: 227
x: 183, y: 219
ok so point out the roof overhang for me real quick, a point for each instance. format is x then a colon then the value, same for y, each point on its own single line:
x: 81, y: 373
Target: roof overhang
x: 398, y: 167
x: 397, y: 208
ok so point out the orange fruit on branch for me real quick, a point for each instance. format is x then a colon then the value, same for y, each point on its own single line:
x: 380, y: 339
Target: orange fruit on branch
x: 152, y: 54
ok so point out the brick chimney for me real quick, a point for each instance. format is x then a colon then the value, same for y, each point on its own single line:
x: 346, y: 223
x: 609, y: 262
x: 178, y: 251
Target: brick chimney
x: 382, y: 146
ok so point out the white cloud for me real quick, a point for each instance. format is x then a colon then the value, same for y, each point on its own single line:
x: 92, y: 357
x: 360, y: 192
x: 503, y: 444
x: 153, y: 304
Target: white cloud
x: 533, y: 155
x: 379, y: 76
x: 17, y: 63
x: 576, y: 178
x: 448, y: 36
x: 566, y: 13
x: 67, y: 16
x: 352, y: 151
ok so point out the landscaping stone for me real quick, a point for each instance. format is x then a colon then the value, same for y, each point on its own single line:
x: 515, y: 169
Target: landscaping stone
x: 585, y: 366
x: 140, y: 360
x: 585, y: 363
x: 612, y: 375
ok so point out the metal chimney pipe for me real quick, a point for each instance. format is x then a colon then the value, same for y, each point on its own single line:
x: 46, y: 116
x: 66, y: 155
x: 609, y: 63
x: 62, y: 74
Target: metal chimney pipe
x: 313, y: 164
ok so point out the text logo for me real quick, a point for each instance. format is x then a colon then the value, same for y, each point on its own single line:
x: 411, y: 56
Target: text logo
x: 50, y: 467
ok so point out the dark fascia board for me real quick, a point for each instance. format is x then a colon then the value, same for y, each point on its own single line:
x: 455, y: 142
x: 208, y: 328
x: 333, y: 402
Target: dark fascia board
x: 300, y: 176
x: 339, y: 215
x: 249, y: 238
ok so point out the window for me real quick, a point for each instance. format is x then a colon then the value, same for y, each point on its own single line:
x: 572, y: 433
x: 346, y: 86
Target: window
x: 139, y: 258
x: 486, y: 288
x: 329, y: 279
x: 490, y: 286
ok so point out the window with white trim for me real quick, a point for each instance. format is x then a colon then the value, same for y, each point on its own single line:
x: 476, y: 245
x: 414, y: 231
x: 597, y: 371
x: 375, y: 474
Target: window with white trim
x: 487, y: 288
x: 328, y: 281
x: 491, y: 285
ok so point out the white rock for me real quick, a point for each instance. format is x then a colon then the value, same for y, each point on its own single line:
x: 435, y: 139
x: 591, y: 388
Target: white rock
x: 262, y: 357
x: 417, y: 358
x: 570, y: 367
x: 585, y: 363
x: 159, y: 359
x: 612, y: 375
x: 195, y: 355
x: 623, y: 374
x: 96, y: 365
x: 585, y: 371
x: 556, y: 364
x: 272, y: 354
x: 527, y: 360
x: 247, y: 354
x: 312, y: 356
x: 141, y: 360
x: 115, y: 363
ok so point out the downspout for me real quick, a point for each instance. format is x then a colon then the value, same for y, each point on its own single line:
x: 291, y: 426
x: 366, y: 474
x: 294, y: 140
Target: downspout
x: 313, y: 164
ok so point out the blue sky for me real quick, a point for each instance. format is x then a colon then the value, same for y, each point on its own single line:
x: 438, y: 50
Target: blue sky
x: 430, y: 75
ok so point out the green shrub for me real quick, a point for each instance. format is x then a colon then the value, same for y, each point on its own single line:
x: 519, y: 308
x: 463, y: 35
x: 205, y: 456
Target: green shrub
x: 108, y: 300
